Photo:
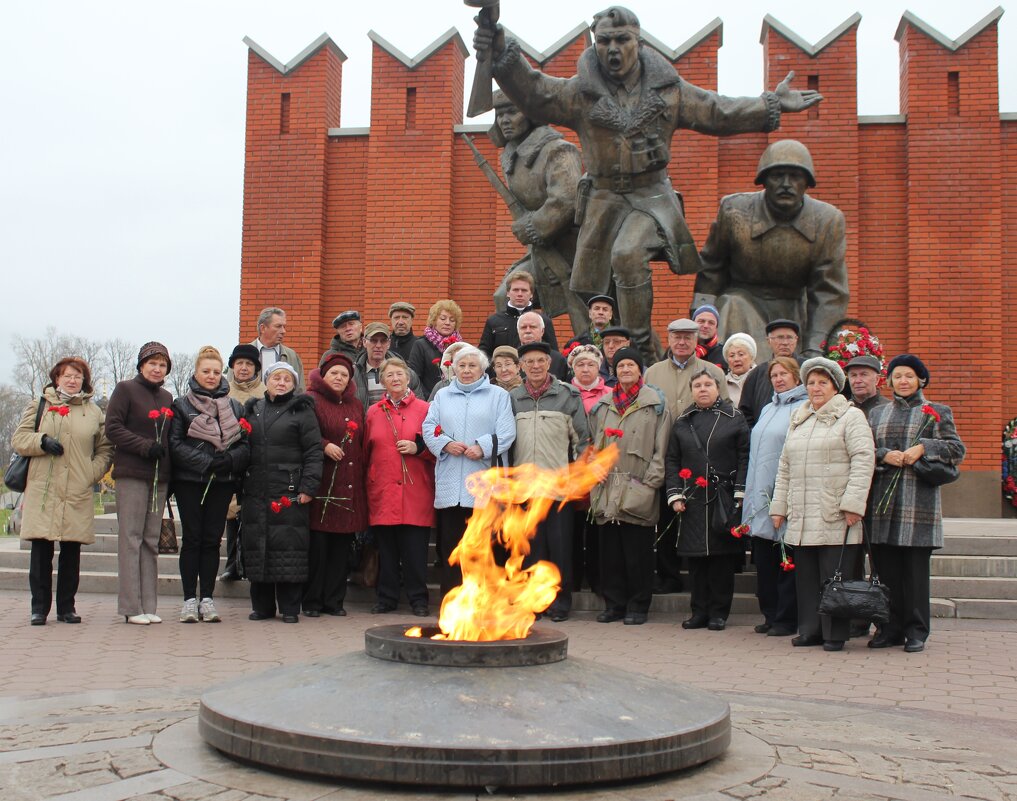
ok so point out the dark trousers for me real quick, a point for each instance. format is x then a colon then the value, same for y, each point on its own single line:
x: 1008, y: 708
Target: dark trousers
x: 232, y: 535
x: 626, y: 567
x: 553, y: 543
x: 202, y: 525
x: 905, y: 571
x: 712, y: 579
x: 585, y: 551
x: 265, y: 595
x: 669, y: 564
x: 328, y: 563
x: 775, y: 587
x: 814, y: 564
x: 40, y: 576
x: 451, y: 526
x: 402, y: 550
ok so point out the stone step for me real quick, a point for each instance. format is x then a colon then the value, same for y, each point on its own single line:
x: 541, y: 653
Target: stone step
x: 981, y: 526
x: 993, y: 589
x: 975, y: 566
x: 977, y: 545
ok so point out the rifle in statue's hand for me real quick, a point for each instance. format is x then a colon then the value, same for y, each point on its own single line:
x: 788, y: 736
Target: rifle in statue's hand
x: 480, y: 94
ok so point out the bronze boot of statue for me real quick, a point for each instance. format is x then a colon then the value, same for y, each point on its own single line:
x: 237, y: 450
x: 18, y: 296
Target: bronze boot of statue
x: 635, y: 307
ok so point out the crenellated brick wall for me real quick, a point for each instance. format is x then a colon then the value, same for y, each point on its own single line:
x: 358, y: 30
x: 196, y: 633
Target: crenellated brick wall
x: 356, y: 218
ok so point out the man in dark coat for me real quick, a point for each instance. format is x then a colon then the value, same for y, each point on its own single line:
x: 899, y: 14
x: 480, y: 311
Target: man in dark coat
x: 625, y: 104
x: 500, y: 328
x: 349, y: 335
x: 601, y: 313
x: 863, y: 377
x: 757, y: 391
x: 400, y: 317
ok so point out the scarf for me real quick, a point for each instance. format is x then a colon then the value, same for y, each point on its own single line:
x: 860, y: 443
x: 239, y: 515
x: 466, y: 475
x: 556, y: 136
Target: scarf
x: 702, y: 350
x: 470, y: 387
x: 215, y: 422
x: 64, y: 397
x: 623, y: 399
x: 403, y: 401
x: 536, y: 392
x: 438, y: 340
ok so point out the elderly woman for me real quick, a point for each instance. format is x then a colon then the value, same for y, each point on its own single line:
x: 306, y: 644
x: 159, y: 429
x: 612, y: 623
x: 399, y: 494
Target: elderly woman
x: 710, y: 439
x: 447, y: 376
x: 912, y: 436
x: 625, y: 504
x: 822, y: 485
x: 507, y: 373
x: 340, y: 509
x: 210, y: 452
x: 775, y: 585
x: 740, y: 355
x: 400, y: 490
x: 284, y: 473
x: 64, y: 432
x: 137, y: 423
x: 469, y: 423
x: 584, y: 362
x: 443, y: 323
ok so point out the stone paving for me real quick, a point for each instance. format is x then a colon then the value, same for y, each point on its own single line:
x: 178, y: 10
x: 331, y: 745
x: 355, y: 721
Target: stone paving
x: 105, y: 711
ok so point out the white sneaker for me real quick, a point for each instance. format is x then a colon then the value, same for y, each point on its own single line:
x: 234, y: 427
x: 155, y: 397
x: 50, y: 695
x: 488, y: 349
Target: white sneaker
x: 189, y: 612
x: 154, y: 618
x: 138, y: 620
x: 207, y: 611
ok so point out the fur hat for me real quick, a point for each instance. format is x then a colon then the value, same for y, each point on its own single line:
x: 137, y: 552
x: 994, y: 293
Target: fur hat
x: 912, y: 361
x: 152, y: 349
x: 632, y: 355
x: 330, y: 360
x: 275, y: 367
x: 828, y: 366
x: 249, y: 352
x: 741, y: 339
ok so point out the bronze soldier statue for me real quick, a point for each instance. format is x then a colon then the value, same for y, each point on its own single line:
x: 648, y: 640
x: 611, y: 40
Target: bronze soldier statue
x: 625, y: 103
x: 542, y: 171
x: 777, y: 253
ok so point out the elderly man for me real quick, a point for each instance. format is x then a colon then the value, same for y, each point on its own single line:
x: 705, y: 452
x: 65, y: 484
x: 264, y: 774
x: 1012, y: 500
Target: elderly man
x: 530, y: 326
x: 777, y: 253
x: 757, y: 391
x: 612, y: 339
x: 500, y: 328
x: 600, y: 310
x: 863, y: 374
x: 551, y: 432
x: 625, y: 104
x: 400, y: 318
x: 542, y: 171
x: 710, y: 347
x: 271, y: 331
x: 366, y: 367
x: 349, y: 336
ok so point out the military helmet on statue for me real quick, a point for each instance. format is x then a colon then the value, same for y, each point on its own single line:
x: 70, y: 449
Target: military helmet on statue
x: 786, y: 153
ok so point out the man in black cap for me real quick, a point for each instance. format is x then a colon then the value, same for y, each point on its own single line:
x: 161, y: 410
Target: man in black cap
x: 601, y: 312
x: 757, y: 391
x: 863, y: 377
x: 349, y: 336
x: 612, y: 339
x: 551, y: 431
x: 400, y: 318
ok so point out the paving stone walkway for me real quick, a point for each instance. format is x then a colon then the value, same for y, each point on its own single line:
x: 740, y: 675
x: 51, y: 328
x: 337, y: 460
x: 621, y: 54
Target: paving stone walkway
x: 105, y: 711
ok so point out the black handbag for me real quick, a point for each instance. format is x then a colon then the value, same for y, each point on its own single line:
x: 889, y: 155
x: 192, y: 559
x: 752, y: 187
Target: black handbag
x: 855, y: 599
x: 935, y: 474
x: 16, y: 474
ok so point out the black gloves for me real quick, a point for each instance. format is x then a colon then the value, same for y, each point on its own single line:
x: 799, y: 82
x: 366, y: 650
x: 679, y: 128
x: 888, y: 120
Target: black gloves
x: 156, y: 450
x: 51, y: 446
x: 222, y: 463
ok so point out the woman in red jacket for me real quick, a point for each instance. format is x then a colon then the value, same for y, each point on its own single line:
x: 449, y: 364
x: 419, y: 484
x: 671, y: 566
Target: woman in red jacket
x: 400, y: 489
x: 339, y: 510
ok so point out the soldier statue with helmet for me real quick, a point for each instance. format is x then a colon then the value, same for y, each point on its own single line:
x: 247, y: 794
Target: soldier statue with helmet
x: 777, y: 253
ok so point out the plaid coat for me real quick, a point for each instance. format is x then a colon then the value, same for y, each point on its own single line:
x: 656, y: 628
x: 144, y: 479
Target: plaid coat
x: 914, y: 517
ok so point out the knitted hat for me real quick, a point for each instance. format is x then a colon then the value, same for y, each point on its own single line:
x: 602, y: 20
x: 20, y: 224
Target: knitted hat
x: 631, y: 354
x: 507, y: 351
x: 249, y: 352
x: 912, y: 361
x: 706, y: 307
x: 585, y: 352
x: 207, y: 352
x: 330, y: 360
x: 744, y: 340
x: 828, y: 366
x: 152, y: 349
x: 275, y: 367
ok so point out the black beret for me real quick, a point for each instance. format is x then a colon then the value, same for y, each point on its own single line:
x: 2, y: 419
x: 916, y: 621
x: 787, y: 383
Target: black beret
x: 542, y: 347
x: 600, y: 299
x: 345, y: 317
x: 616, y: 331
x: 782, y: 323
x: 912, y: 361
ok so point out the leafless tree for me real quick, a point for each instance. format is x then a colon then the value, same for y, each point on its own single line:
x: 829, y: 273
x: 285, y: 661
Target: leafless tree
x: 119, y: 362
x: 183, y: 369
x: 12, y: 406
x: 37, y: 355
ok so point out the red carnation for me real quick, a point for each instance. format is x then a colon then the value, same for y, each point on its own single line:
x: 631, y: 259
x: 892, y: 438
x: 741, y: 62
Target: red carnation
x: 285, y: 502
x: 153, y: 415
x: 685, y: 474
x: 739, y: 531
x: 276, y: 507
x: 569, y: 349
x: 63, y: 411
x: 166, y: 411
x: 447, y: 362
x: 437, y: 431
x: 613, y: 432
x: 436, y: 360
x: 702, y: 482
x: 449, y: 340
x: 787, y: 565
x: 242, y: 422
x: 927, y: 409
x: 352, y: 425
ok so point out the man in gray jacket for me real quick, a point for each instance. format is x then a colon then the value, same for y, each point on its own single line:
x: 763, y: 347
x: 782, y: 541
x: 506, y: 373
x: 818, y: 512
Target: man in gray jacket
x: 551, y: 431
x: 271, y: 330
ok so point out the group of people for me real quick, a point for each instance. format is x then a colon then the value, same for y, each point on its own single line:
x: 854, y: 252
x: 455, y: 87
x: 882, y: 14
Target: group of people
x: 717, y: 450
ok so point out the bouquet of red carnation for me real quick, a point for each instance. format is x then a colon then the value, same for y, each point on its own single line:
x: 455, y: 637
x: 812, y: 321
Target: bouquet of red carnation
x: 60, y: 412
x: 158, y: 418
x: 931, y: 416
x: 850, y: 338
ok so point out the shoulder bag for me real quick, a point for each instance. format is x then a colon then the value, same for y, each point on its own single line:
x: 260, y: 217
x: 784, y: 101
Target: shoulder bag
x: 16, y: 474
x: 856, y: 599
x: 935, y: 474
x: 168, y: 533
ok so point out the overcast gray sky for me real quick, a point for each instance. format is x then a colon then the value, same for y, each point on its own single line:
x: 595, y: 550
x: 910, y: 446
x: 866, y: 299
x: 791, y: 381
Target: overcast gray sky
x: 122, y: 142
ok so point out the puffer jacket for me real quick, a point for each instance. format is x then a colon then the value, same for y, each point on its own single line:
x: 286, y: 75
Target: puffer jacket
x: 629, y: 493
x: 69, y: 510
x: 192, y: 458
x: 766, y: 444
x: 824, y: 471
x: 473, y: 417
x: 286, y: 459
x: 551, y: 431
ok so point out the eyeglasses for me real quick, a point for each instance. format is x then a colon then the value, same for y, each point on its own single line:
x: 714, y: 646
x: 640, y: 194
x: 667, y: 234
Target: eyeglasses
x: 782, y: 337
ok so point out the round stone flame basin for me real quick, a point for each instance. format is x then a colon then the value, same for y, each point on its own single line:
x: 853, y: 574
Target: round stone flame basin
x: 513, y: 713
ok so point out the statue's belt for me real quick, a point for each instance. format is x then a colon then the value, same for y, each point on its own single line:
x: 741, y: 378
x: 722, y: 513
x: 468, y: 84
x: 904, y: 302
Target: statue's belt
x: 768, y: 291
x: 626, y: 182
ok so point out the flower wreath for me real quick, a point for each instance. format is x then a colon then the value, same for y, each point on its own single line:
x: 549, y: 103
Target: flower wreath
x: 850, y: 338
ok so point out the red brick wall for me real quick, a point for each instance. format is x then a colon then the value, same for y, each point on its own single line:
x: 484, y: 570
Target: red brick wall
x: 403, y: 212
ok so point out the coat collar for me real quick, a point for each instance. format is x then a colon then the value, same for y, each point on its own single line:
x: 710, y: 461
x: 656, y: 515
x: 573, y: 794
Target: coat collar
x: 832, y: 410
x: 720, y: 406
x: 909, y: 403
x: 529, y: 149
x: 807, y: 223
x: 657, y: 73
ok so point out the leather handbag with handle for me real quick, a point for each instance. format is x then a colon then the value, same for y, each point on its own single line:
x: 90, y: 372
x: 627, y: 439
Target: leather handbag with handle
x: 16, y: 474
x: 855, y: 599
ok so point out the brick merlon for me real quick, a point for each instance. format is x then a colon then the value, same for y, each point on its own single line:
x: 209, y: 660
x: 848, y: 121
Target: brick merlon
x: 811, y: 50
x: 689, y: 44
x: 451, y: 35
x: 322, y: 41
x: 581, y: 30
x: 950, y: 44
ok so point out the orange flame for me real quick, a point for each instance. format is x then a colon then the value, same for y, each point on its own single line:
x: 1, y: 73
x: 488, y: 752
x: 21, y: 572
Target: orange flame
x: 500, y: 603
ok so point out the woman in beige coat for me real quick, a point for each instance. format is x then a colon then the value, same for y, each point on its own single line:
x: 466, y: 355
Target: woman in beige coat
x: 70, y: 453
x: 822, y: 487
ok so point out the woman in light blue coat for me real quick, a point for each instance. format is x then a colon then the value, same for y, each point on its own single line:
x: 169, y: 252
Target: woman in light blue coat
x: 468, y: 422
x: 775, y: 584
